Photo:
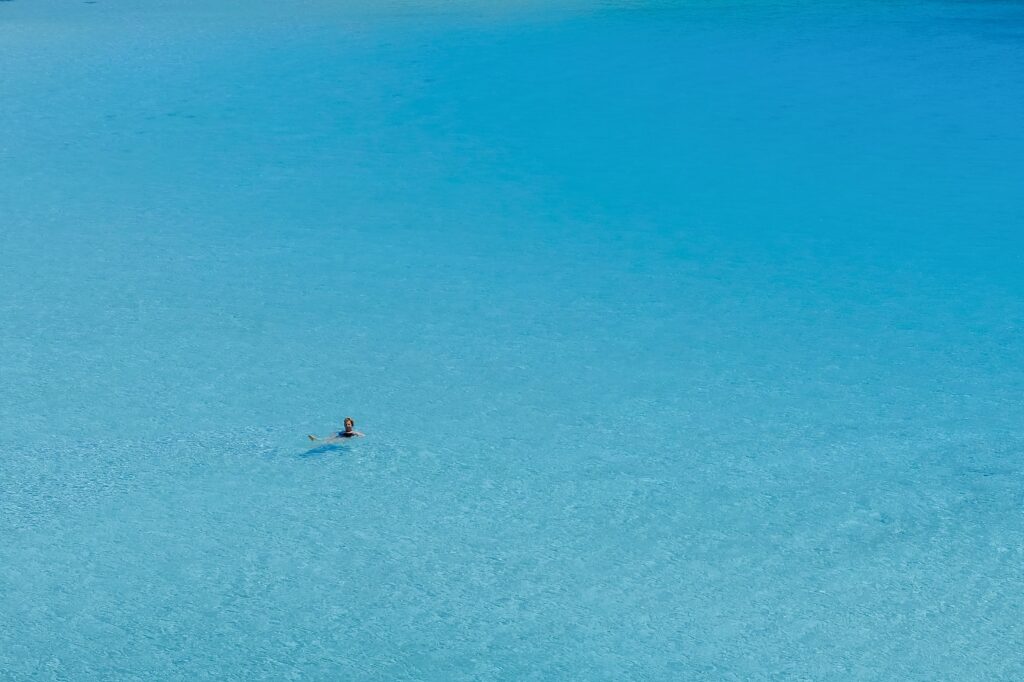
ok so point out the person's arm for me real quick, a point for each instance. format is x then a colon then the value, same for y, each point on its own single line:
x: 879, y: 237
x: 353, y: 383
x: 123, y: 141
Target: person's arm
x: 312, y: 437
x: 358, y: 433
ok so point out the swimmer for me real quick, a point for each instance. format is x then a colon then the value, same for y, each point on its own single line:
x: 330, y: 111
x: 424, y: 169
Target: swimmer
x: 349, y: 432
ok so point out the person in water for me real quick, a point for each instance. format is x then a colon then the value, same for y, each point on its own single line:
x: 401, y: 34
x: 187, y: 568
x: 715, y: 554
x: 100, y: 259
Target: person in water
x: 349, y: 432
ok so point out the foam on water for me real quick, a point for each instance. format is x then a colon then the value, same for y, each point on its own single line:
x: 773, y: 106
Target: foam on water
x: 687, y: 339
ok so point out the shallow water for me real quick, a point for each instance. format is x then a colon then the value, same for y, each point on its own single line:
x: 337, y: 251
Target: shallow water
x: 686, y: 336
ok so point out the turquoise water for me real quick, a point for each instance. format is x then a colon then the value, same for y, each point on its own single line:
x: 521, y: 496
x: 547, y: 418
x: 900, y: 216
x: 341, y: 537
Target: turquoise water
x: 687, y: 338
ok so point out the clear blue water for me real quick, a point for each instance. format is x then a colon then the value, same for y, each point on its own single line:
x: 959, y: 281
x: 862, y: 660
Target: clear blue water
x: 687, y: 338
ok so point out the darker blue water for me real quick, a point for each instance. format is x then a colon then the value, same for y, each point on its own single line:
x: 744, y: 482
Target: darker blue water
x: 686, y: 339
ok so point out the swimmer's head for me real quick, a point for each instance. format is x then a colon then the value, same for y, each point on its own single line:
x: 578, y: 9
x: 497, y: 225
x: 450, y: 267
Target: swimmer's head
x: 349, y: 423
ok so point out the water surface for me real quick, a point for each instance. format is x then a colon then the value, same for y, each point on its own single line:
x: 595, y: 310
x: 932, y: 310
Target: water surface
x: 686, y: 336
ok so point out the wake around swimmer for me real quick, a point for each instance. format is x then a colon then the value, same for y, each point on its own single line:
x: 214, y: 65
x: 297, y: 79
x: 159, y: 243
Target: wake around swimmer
x: 338, y: 436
